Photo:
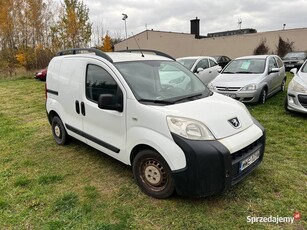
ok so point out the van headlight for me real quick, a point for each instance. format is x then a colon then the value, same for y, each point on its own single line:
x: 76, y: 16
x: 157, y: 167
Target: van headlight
x: 296, y: 87
x: 188, y: 128
x: 250, y: 87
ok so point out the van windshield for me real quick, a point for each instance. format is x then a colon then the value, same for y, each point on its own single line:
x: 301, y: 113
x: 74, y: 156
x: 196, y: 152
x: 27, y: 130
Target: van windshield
x: 161, y: 82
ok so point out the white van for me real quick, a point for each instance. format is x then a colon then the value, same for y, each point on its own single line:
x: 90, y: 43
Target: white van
x: 150, y: 112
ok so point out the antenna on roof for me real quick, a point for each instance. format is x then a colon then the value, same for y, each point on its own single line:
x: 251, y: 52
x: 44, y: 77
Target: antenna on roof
x: 239, y: 23
x: 138, y: 45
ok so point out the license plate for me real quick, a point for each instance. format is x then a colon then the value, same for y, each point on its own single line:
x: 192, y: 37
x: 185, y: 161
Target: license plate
x: 248, y: 161
x: 230, y: 95
x: 290, y: 65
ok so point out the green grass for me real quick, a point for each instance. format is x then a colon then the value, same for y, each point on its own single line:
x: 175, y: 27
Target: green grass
x: 46, y: 186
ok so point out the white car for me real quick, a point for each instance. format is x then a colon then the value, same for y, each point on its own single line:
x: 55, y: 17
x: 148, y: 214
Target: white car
x: 179, y: 137
x: 296, y: 99
x: 206, y: 68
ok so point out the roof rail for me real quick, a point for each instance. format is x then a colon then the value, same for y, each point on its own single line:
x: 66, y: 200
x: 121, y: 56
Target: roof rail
x: 90, y: 50
x: 148, y: 51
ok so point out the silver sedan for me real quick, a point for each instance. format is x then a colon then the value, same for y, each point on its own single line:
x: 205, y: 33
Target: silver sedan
x: 205, y: 68
x: 251, y: 79
x: 296, y: 99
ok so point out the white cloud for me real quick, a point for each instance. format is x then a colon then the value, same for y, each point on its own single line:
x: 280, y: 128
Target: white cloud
x: 171, y: 15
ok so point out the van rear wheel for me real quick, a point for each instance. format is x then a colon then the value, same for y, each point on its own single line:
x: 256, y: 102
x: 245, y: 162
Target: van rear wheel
x: 152, y: 174
x: 58, y: 130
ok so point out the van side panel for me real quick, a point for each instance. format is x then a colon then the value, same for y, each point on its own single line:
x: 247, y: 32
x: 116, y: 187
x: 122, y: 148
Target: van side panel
x: 67, y: 84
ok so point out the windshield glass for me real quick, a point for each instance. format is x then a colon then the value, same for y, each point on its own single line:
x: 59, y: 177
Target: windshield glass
x: 187, y: 62
x: 300, y: 55
x: 164, y: 82
x: 304, y: 68
x: 248, y: 66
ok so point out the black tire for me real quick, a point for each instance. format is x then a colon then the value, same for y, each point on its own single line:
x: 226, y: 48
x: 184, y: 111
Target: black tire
x: 262, y: 96
x: 152, y: 174
x: 283, y: 85
x: 58, y: 130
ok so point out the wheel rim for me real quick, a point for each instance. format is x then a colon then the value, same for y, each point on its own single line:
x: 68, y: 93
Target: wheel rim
x: 57, y: 131
x: 153, y: 174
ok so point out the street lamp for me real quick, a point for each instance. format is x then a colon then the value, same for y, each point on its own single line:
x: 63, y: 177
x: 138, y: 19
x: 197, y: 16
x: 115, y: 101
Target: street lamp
x: 125, y: 16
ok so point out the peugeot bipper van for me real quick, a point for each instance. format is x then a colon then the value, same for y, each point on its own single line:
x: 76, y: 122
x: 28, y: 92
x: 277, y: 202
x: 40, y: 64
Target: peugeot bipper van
x: 150, y: 112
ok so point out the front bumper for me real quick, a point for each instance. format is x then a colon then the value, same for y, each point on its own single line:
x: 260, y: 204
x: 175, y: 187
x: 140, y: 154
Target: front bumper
x: 243, y: 96
x: 210, y: 167
x: 297, y: 102
x: 291, y: 65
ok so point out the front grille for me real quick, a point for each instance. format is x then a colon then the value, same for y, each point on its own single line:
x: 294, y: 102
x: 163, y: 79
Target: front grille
x: 229, y: 89
x: 303, y: 100
x: 242, y: 154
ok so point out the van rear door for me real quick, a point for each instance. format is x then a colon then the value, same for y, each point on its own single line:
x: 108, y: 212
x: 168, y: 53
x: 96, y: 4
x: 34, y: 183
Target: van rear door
x: 70, y: 86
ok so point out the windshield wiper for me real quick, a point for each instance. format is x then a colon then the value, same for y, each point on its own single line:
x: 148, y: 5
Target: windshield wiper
x: 228, y: 72
x: 242, y: 72
x: 155, y: 101
x: 188, y: 97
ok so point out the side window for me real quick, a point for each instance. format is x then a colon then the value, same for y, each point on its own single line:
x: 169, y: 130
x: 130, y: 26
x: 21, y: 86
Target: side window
x: 212, y: 63
x: 203, y: 63
x: 272, y: 63
x: 99, y: 81
x: 279, y: 62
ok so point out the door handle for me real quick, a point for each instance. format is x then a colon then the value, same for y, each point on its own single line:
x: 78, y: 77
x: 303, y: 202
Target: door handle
x: 77, y: 107
x: 83, y: 108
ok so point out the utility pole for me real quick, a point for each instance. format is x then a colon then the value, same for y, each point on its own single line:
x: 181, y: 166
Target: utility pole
x: 125, y: 16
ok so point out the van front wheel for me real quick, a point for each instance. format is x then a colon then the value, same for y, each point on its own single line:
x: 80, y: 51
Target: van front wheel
x: 58, y: 130
x: 152, y: 174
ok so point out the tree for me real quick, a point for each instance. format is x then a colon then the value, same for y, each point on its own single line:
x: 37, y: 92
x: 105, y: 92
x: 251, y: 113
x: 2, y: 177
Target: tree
x: 284, y: 47
x: 7, y: 36
x: 73, y: 29
x: 107, y: 44
x: 262, y: 48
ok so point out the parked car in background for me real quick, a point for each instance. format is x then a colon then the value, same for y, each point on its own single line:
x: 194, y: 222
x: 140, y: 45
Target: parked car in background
x: 296, y: 99
x: 41, y: 74
x: 294, y: 59
x: 222, y: 60
x: 206, y: 68
x: 251, y: 78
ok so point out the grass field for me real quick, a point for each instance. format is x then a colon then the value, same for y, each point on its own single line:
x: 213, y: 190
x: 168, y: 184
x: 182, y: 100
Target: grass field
x: 46, y: 186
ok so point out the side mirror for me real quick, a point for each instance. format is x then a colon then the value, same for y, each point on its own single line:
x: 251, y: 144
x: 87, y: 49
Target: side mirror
x: 274, y: 70
x: 219, y: 69
x: 199, y: 70
x: 109, y: 102
x: 294, y: 70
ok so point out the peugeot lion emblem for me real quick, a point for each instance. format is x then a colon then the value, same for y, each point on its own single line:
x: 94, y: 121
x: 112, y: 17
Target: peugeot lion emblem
x: 234, y: 122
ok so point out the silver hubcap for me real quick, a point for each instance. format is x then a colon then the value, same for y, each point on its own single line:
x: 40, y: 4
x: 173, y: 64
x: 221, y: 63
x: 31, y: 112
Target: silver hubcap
x: 57, y: 131
x: 152, y: 175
